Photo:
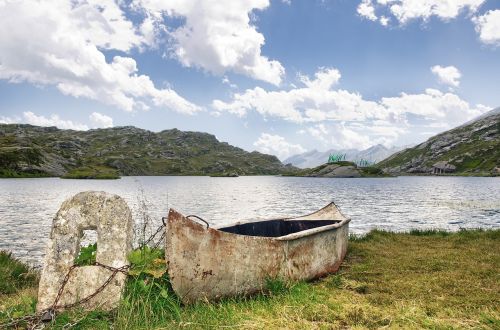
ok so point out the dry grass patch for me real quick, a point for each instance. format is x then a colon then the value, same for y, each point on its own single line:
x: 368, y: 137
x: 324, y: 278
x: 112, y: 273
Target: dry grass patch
x: 431, y: 279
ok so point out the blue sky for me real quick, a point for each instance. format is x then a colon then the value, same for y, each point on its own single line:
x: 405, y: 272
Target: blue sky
x: 277, y: 76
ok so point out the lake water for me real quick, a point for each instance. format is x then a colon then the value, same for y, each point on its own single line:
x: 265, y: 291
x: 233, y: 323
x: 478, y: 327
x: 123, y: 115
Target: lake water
x: 27, y: 206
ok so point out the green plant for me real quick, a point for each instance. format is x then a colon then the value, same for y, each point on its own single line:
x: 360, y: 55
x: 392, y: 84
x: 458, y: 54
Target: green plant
x: 335, y: 281
x: 418, y: 279
x: 276, y: 286
x: 14, y: 274
x: 148, y: 298
x: 149, y: 261
x: 87, y: 255
x: 372, y: 170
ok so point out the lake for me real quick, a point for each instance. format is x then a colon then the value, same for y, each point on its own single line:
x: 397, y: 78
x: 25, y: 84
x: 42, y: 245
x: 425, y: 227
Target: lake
x: 27, y: 206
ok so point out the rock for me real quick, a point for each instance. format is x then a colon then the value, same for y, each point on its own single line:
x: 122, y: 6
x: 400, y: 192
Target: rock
x: 345, y: 172
x: 443, y: 167
x: 472, y: 147
x: 140, y: 152
x: 496, y: 171
x: 110, y: 216
x: 334, y: 170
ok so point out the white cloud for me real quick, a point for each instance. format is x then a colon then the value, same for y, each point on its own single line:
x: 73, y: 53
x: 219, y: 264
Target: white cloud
x: 432, y: 105
x: 100, y: 121
x: 60, y: 43
x: 377, y: 121
x: 226, y: 81
x: 288, y: 105
x: 340, y: 136
x: 405, y: 10
x: 217, y: 36
x: 277, y: 145
x: 488, y: 27
x: 483, y: 108
x: 384, y: 20
x: 103, y: 24
x: 348, y: 135
x: 8, y: 120
x: 319, y: 132
x: 274, y: 104
x: 97, y: 119
x: 366, y: 10
x: 448, y: 75
x: 54, y: 120
x: 318, y: 101
x: 324, y: 79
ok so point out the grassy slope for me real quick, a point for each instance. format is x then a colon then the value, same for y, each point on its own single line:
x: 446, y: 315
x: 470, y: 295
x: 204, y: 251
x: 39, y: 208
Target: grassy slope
x: 18, y: 287
x: 416, y: 280
x: 474, y: 155
x: 127, y: 151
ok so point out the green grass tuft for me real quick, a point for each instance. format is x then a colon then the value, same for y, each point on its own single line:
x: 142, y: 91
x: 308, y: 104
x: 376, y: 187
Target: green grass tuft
x: 277, y: 286
x: 371, y: 171
x: 15, y: 275
x: 87, y: 255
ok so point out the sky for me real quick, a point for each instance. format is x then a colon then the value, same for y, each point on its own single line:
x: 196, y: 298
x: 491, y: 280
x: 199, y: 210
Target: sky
x: 281, y: 77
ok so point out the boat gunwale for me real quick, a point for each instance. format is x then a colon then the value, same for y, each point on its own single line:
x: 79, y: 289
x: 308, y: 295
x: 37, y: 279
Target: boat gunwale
x: 289, y: 237
x: 312, y: 231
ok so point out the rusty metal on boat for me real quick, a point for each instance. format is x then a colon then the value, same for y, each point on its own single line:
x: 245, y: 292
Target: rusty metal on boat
x: 207, y: 263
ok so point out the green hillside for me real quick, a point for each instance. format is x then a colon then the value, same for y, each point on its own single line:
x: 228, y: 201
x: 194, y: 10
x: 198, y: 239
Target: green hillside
x: 470, y: 149
x: 27, y: 150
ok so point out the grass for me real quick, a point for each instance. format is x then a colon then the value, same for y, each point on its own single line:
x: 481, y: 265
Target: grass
x: 15, y: 275
x: 14, y: 174
x: 92, y: 172
x: 128, y: 151
x: 372, y: 171
x: 421, y: 279
x: 18, y: 288
x: 366, y: 172
x: 473, y: 156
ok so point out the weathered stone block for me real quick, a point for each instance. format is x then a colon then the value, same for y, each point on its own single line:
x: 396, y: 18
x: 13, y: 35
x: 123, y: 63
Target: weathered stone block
x: 110, y: 216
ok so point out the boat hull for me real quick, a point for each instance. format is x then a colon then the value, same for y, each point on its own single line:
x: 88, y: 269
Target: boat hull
x: 208, y: 264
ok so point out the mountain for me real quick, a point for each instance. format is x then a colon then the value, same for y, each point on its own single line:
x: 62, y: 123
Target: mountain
x: 316, y: 158
x: 27, y: 150
x: 484, y: 115
x: 470, y: 149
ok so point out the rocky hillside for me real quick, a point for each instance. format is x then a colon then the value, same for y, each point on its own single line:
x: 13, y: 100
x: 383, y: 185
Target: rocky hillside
x: 340, y: 169
x: 470, y: 149
x: 27, y: 150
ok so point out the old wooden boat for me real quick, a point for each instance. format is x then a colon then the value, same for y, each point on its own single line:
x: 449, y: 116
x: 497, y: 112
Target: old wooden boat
x: 211, y: 263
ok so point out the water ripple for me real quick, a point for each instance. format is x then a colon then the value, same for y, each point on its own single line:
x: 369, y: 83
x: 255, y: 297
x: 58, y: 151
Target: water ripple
x: 27, y: 206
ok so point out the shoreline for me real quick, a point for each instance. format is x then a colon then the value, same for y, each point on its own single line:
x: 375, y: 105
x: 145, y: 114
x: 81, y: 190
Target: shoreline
x: 483, y: 175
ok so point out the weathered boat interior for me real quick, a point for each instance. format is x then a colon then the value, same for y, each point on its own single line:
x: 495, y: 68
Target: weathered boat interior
x: 276, y: 228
